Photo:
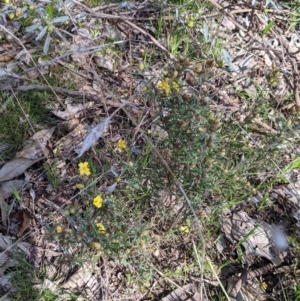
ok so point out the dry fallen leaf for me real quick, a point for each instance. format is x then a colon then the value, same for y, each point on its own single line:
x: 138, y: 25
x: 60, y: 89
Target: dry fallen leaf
x: 249, y: 291
x: 104, y: 61
x: 5, y: 242
x: 15, y: 168
x: 228, y: 24
x: 3, y: 259
x: 4, y: 146
x: 31, y: 153
x: 25, y: 223
x: 256, y: 237
x: 6, y: 189
x: 182, y: 293
x: 71, y: 110
x: 4, y: 210
x: 36, y: 149
x: 5, y: 297
x: 7, y: 261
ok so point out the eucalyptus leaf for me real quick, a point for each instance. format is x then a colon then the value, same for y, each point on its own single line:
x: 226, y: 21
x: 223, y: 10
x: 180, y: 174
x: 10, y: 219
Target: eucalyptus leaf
x: 111, y: 188
x: 92, y: 137
x: 61, y: 19
x: 69, y: 3
x: 227, y: 59
x: 205, y: 32
x: 33, y: 27
x: 267, y: 3
x: 135, y: 150
x: 275, y: 6
x: 114, y: 171
x: 84, y: 32
x: 122, y: 4
x: 42, y: 33
x: 47, y: 43
x: 132, y: 184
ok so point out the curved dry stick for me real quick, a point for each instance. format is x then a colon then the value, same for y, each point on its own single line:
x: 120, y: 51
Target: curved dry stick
x: 126, y: 20
x: 181, y: 293
x: 230, y: 15
x: 89, y: 96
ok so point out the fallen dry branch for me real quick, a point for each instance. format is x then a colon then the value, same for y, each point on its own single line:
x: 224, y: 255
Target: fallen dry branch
x: 127, y: 21
x: 181, y: 294
x: 112, y: 103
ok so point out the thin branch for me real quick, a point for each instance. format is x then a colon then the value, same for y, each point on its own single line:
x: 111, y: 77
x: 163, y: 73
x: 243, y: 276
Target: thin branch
x: 126, y: 20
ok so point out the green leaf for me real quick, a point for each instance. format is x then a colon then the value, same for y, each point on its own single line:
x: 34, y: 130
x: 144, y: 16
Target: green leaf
x: 50, y: 10
x: 292, y: 166
x: 268, y: 27
x: 295, y: 164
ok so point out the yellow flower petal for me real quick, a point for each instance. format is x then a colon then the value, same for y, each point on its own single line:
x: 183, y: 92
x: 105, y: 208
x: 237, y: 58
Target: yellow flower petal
x: 184, y: 228
x: 84, y: 168
x: 79, y: 186
x: 165, y: 87
x: 175, y: 86
x: 264, y: 285
x: 97, y: 202
x: 121, y: 146
x: 95, y: 245
x: 100, y: 228
x: 58, y: 229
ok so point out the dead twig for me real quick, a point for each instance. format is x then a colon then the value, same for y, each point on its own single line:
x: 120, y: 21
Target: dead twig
x: 68, y: 53
x: 181, y: 293
x: 295, y: 71
x: 127, y: 21
x: 295, y: 83
x: 230, y: 15
x: 265, y: 126
x: 238, y: 285
x: 89, y: 96
x: 58, y: 209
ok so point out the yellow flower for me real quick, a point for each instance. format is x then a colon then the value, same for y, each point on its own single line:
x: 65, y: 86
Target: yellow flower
x: 142, y: 244
x: 190, y: 24
x: 58, y: 229
x: 165, y: 87
x: 184, y: 229
x: 97, y: 202
x: 122, y: 146
x: 264, y: 285
x: 84, y: 168
x: 95, y: 245
x: 79, y: 186
x: 175, y: 86
x: 100, y: 228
